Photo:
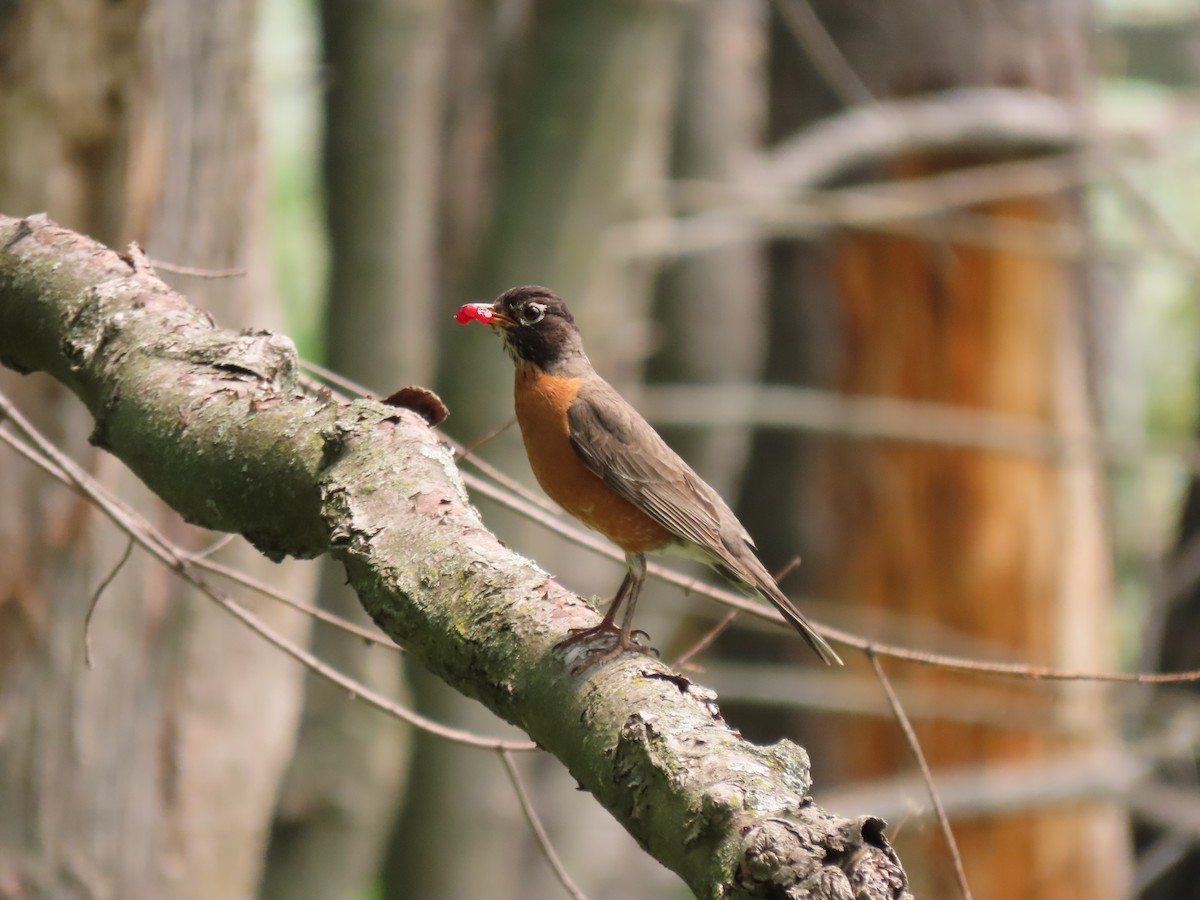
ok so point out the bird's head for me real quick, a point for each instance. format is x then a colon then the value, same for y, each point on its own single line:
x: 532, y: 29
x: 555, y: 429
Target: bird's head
x: 534, y: 322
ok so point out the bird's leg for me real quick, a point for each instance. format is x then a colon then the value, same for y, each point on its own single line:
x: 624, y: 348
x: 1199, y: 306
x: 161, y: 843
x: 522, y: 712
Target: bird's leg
x: 606, y: 626
x: 634, y: 580
x: 619, y: 639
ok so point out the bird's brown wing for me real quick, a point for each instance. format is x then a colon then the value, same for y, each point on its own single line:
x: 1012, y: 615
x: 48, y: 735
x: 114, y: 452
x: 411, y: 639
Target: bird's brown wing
x: 616, y: 443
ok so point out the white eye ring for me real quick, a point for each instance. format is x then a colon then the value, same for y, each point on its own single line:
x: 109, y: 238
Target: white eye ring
x: 532, y: 313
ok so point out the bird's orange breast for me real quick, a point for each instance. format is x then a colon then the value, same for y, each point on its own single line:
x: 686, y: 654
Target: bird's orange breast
x: 542, y: 402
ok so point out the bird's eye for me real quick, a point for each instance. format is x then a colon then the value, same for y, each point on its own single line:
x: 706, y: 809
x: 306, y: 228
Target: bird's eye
x: 532, y: 313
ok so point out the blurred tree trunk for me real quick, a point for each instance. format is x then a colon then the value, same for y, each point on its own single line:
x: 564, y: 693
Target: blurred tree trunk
x: 1162, y: 49
x: 581, y: 95
x: 212, y: 213
x: 711, y: 306
x: 1168, y: 860
x: 384, y: 63
x: 153, y: 774
x: 1007, y: 554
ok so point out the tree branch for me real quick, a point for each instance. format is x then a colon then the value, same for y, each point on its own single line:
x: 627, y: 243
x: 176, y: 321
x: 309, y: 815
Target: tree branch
x: 216, y: 423
x: 954, y: 120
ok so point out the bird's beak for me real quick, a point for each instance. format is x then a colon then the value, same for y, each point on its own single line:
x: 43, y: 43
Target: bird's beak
x: 498, y: 316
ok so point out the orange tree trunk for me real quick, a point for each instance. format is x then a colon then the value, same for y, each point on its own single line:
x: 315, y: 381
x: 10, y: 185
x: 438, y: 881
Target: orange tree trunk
x: 990, y: 555
x: 990, y: 548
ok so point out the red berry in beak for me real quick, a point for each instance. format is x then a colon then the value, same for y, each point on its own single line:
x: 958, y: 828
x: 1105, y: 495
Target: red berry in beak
x: 481, y: 311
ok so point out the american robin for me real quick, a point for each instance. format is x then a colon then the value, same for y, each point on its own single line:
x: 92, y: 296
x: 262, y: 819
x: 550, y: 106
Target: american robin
x: 607, y: 466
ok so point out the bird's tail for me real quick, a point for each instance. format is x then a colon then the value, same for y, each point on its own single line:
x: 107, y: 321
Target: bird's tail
x: 796, y: 619
x: 756, y: 577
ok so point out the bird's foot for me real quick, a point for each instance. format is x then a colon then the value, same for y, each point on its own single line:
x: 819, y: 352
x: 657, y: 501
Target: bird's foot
x: 610, y: 640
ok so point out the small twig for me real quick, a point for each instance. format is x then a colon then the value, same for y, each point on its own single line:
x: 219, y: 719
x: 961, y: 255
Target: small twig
x: 720, y: 628
x: 241, y: 578
x: 1158, y: 226
x: 910, y: 735
x: 706, y: 640
x: 23, y: 230
x: 1010, y: 670
x: 1159, y: 858
x: 357, y: 690
x: 506, y: 482
x: 786, y: 569
x: 469, y: 449
x: 196, y: 272
x: 87, y: 620
x: 332, y: 377
x: 214, y: 547
x: 539, y: 832
x: 367, y: 634
x: 823, y: 52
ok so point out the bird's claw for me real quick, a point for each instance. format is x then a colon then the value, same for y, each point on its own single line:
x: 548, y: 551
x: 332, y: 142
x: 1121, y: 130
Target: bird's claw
x: 635, y: 638
x: 615, y: 643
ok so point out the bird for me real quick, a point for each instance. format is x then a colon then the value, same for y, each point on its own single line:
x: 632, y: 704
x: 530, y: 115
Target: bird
x: 603, y: 463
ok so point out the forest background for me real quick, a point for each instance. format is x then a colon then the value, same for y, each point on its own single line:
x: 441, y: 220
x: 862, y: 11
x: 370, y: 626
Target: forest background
x: 913, y: 283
